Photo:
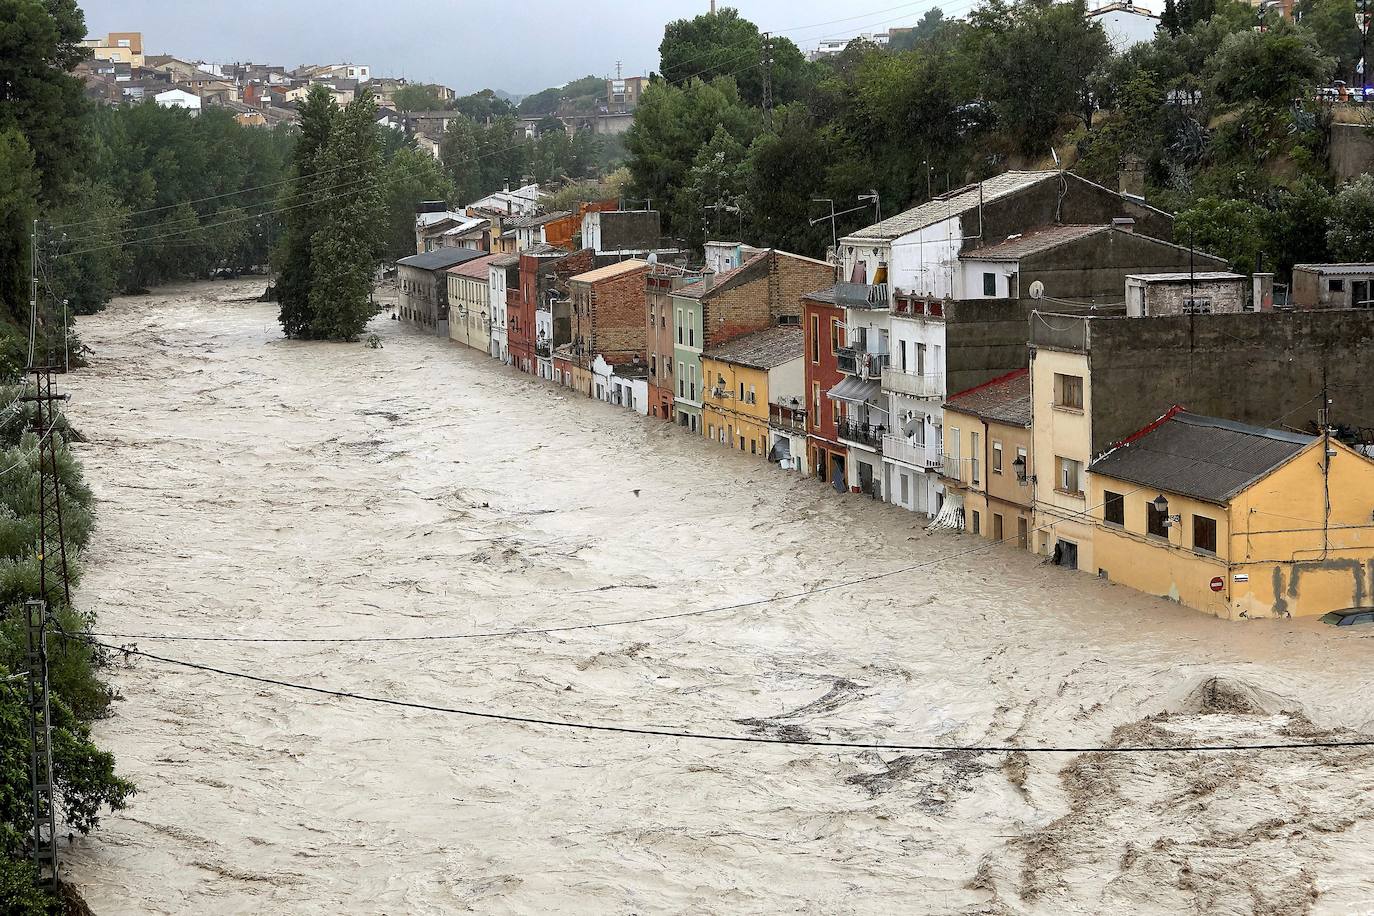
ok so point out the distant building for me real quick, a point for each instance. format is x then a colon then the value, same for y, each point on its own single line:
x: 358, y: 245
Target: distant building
x: 830, y: 47
x: 1203, y: 292
x: 623, y: 93
x: 422, y: 287
x: 723, y: 256
x: 503, y: 285
x: 178, y: 98
x: 1333, y: 286
x: 627, y: 233
x: 823, y: 322
x: 1125, y: 24
x: 753, y: 393
x: 608, y: 316
x: 121, y: 47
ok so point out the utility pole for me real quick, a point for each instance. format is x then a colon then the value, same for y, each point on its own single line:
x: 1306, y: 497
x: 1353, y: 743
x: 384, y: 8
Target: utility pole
x: 1324, y: 418
x: 767, y: 51
x: 53, y: 591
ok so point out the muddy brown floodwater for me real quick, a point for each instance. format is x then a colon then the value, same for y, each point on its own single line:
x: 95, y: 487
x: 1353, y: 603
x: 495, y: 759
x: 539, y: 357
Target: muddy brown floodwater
x: 257, y: 487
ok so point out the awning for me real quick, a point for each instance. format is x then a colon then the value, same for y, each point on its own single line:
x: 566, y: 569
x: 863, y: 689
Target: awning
x: 855, y: 390
x: 781, y: 450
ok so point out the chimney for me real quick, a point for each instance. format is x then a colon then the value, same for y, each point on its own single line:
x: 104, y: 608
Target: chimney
x: 1131, y: 178
x: 708, y: 281
x: 1124, y: 223
x: 1263, y: 286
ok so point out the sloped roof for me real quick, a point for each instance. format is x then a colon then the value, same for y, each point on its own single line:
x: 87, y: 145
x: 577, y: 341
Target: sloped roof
x: 1006, y: 399
x: 475, y: 269
x: 1203, y: 457
x: 610, y: 271
x: 951, y: 204
x: 822, y: 295
x: 530, y: 222
x: 440, y: 258
x: 724, y: 280
x: 1034, y: 242
x: 766, y: 349
x: 1365, y: 267
x: 1185, y: 277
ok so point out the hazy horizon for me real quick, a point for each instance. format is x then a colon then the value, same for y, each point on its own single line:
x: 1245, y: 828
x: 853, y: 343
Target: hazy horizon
x: 555, y: 46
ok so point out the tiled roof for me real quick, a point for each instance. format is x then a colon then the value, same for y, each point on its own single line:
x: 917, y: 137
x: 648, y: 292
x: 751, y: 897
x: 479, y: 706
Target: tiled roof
x: 1202, y: 457
x: 1357, y: 268
x: 764, y: 349
x: 822, y: 295
x: 530, y: 222
x: 951, y: 204
x: 609, y: 271
x: 1006, y: 399
x: 724, y: 280
x: 475, y: 269
x: 1019, y: 246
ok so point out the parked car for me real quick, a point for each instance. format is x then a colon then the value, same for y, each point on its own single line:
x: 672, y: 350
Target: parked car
x: 1349, y: 618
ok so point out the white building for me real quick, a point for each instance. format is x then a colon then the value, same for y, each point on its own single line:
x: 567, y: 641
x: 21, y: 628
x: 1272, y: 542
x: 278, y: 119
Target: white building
x: 178, y: 98
x: 519, y: 202
x: 505, y: 275
x: 723, y: 256
x: 1125, y: 24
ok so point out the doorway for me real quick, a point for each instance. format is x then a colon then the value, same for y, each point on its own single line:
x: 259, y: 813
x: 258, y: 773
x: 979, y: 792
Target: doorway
x: 1066, y: 554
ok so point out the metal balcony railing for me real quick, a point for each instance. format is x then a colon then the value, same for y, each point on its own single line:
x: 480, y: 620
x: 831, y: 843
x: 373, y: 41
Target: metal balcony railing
x: 861, y: 295
x: 785, y: 416
x: 862, y: 433
x: 927, y: 387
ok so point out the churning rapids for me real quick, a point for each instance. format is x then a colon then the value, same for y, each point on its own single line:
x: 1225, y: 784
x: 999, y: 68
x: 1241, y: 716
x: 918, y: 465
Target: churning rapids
x: 257, y: 487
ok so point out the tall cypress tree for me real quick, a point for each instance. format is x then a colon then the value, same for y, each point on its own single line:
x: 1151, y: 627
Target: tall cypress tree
x: 347, y: 244
x: 306, y: 199
x: 1168, y: 20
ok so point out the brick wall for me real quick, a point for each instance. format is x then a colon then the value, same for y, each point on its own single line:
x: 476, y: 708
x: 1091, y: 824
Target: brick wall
x: 771, y: 289
x: 617, y: 317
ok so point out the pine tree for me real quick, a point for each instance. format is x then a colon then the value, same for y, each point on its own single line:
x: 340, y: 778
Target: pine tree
x: 348, y: 241
x: 1168, y: 20
x: 305, y: 198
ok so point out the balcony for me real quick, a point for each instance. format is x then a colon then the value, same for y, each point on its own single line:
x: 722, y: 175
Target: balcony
x: 787, y: 417
x: 864, y: 434
x: 856, y: 361
x: 861, y: 296
x: 951, y: 469
x: 930, y: 387
x: 543, y: 350
x: 900, y: 448
x: 908, y: 305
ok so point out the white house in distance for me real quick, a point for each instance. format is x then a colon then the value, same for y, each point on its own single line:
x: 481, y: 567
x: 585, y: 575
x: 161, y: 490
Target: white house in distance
x: 1126, y: 23
x: 505, y: 275
x: 178, y: 98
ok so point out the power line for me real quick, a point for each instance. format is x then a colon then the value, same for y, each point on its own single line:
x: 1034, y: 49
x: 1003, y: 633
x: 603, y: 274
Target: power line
x: 645, y: 731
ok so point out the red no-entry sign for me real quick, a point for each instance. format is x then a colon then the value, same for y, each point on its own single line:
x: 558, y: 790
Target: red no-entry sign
x: 1218, y: 583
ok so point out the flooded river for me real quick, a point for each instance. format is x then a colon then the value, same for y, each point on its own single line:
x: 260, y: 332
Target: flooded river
x: 251, y: 486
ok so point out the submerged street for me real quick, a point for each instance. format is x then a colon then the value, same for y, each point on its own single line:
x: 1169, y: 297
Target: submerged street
x: 250, y: 486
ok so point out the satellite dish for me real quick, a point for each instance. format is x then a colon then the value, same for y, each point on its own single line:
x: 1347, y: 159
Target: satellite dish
x: 653, y: 258
x: 1037, y: 289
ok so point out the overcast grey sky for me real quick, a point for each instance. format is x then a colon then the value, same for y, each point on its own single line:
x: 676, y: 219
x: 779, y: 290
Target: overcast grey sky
x: 516, y: 45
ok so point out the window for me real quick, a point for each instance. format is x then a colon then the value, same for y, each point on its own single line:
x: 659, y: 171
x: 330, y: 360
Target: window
x: 1335, y: 285
x: 835, y: 411
x: 679, y: 325
x: 1197, y: 305
x: 681, y: 388
x: 989, y: 284
x: 816, y: 405
x: 1156, y: 522
x: 1070, y: 476
x: 977, y: 522
x: 996, y: 457
x: 920, y: 359
x: 753, y: 447
x: 1068, y: 391
x: 741, y: 392
x: 753, y: 395
x: 815, y: 338
x: 710, y: 430
x: 669, y: 361
x: 1113, y: 508
x: 834, y: 335
x: 906, y: 488
x: 975, y: 456
x: 1205, y: 534
x: 653, y: 365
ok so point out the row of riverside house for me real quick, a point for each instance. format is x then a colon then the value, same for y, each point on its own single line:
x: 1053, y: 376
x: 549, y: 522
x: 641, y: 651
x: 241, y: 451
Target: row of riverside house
x: 1030, y: 359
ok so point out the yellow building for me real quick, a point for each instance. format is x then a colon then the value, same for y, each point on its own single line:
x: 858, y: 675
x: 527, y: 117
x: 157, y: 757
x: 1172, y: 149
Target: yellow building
x: 1235, y: 520
x: 469, y: 303
x: 988, y: 457
x: 1061, y: 404
x: 741, y: 377
x: 121, y: 47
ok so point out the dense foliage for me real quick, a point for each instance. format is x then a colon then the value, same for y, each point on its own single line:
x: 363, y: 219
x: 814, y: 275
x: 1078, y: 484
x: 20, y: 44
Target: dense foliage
x: 1225, y: 120
x: 335, y: 225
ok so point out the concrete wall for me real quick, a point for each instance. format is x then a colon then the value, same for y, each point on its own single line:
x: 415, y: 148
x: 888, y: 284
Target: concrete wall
x: 1351, y: 153
x: 1257, y: 367
x: 1094, y: 268
x: 1170, y: 298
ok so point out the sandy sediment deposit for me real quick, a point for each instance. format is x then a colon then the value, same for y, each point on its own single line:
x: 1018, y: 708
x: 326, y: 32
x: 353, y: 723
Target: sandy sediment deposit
x: 254, y: 486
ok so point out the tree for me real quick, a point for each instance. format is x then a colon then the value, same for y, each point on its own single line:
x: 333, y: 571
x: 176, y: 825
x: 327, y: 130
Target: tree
x: 1168, y: 20
x: 484, y: 106
x: 346, y: 246
x: 18, y: 201
x: 411, y: 176
x: 417, y: 97
x: 40, y: 42
x: 727, y: 44
x: 1231, y: 229
x: 1270, y: 67
x: 1332, y: 24
x: 1037, y: 61
x: 304, y: 197
x: 1350, y: 228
